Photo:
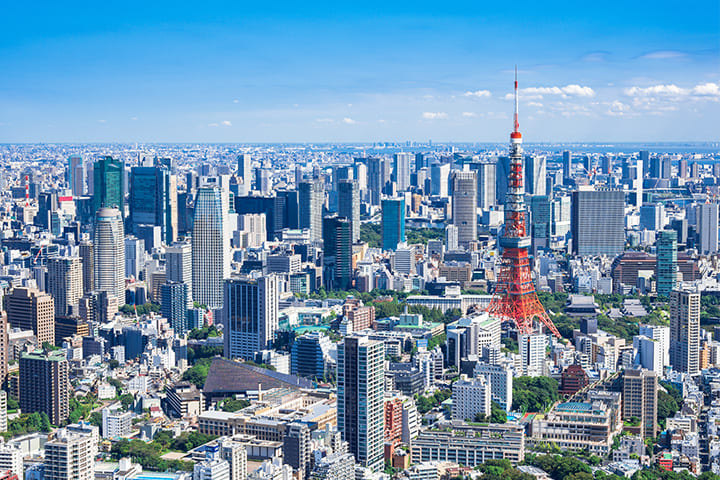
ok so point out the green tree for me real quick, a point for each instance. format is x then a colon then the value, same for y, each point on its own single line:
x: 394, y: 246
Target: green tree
x: 497, y: 413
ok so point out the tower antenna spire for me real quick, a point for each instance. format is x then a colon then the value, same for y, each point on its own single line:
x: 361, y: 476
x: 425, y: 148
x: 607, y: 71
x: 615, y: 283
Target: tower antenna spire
x: 517, y: 122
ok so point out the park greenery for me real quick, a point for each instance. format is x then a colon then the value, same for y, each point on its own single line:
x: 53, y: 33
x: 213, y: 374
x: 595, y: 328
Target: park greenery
x: 562, y: 467
x: 233, y: 405
x: 371, y: 233
x: 425, y: 404
x: 501, y: 470
x: 197, y: 374
x: 203, y: 333
x: 534, y: 394
x: 497, y: 415
x: 28, y: 423
x: 128, y: 309
x: 149, y: 455
x: 669, y: 402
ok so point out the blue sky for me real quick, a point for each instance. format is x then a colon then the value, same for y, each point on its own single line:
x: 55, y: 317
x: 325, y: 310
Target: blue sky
x: 376, y: 71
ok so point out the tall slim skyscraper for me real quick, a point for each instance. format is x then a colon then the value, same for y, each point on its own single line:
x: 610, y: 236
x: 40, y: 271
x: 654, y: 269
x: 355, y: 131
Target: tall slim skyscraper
x: 250, y: 315
x: 134, y: 256
x: 87, y: 257
x: 535, y: 174
x: 210, y: 248
x: 349, y: 205
x: 77, y: 176
x: 485, y: 184
x: 109, y: 253
x: 360, y: 409
x: 109, y: 184
x: 393, y: 222
x: 31, y: 309
x: 640, y: 399
x: 378, y: 175
x: 685, y: 331
x: 337, y: 253
x: 174, y: 305
x: 402, y: 170
x: 464, y: 206
x: 567, y: 164
x: 311, y: 200
x: 598, y: 221
x: 45, y: 384
x: 666, y: 262
x: 439, y: 175
x: 245, y: 172
x: 178, y: 265
x: 707, y: 227
x: 65, y: 283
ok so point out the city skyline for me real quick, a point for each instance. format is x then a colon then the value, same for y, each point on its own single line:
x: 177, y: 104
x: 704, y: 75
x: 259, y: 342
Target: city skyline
x: 343, y: 74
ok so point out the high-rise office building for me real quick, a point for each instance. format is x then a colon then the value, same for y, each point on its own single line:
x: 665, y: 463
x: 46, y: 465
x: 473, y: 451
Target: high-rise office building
x: 360, y: 409
x: 666, y: 262
x: 661, y: 335
x: 540, y: 221
x: 535, y: 174
x: 639, y: 397
x: 87, y: 257
x: 65, y: 283
x: 652, y: 216
x: 500, y: 379
x: 153, y: 200
x: 420, y: 162
x: 393, y: 222
x: 4, y: 345
x: 45, y: 385
x: 309, y: 355
x: 109, y: 253
x: 502, y: 172
x: 108, y: 184
x: 174, y: 305
x: 311, y: 199
x: 77, y: 176
x: 349, y: 205
x: 532, y: 354
x: 296, y: 448
x: 210, y: 248
x: 685, y: 331
x: 439, y: 176
x: 598, y: 222
x: 707, y: 228
x: 378, y: 174
x: 464, y: 206
x: 451, y: 238
x: 567, y: 164
x: 70, y: 456
x: 245, y: 172
x: 31, y: 309
x: 337, y: 253
x: 470, y: 397
x: 178, y: 265
x: 134, y: 256
x: 486, y: 183
x: 402, y: 170
x: 250, y: 315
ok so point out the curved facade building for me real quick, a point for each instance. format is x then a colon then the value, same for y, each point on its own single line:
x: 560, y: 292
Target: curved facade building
x: 109, y: 253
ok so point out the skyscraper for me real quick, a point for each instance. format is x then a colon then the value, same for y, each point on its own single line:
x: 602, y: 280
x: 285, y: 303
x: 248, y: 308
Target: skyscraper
x: 87, y: 257
x: 31, y: 309
x: 174, y: 305
x: 393, y: 222
x: 65, y: 283
x: 153, y: 200
x: 639, y: 397
x: 178, y: 265
x: 109, y: 184
x: 402, y: 170
x: 567, y: 164
x: 337, y: 249
x: 464, y: 206
x: 378, y: 175
x: 109, y: 253
x: 296, y: 448
x: 360, y: 409
x: 349, y: 205
x: 598, y: 221
x: 250, y: 315
x: 45, y: 385
x: 311, y: 200
x: 245, y: 172
x: 451, y: 238
x: 486, y: 183
x: 666, y: 262
x: 532, y: 354
x: 439, y: 175
x: 707, y: 227
x: 685, y: 331
x: 76, y: 176
x: 134, y: 256
x: 535, y: 174
x: 210, y: 248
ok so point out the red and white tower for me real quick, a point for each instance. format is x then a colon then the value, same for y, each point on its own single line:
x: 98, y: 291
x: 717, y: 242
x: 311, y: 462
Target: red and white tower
x: 515, y: 297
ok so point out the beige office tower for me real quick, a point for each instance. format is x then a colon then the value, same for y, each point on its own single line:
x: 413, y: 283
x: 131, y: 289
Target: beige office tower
x: 464, y: 206
x: 109, y: 258
x: 65, y: 284
x: 87, y: 257
x: 31, y: 309
x: 640, y: 399
x: 685, y: 331
x: 69, y: 456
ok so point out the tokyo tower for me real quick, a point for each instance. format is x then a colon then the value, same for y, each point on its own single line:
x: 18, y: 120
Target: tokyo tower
x: 515, y: 297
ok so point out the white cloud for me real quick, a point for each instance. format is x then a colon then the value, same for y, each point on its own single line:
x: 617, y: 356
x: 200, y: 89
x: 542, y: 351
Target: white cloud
x: 663, y: 55
x: 349, y: 121
x: 578, y: 91
x: 236, y: 101
x: 707, y: 89
x: 102, y: 121
x: 434, y: 115
x: 535, y: 104
x: 617, y: 109
x: 656, y: 90
x: 469, y: 114
x: 213, y: 125
x: 133, y: 118
x: 477, y: 94
x: 537, y: 93
x: 226, y: 123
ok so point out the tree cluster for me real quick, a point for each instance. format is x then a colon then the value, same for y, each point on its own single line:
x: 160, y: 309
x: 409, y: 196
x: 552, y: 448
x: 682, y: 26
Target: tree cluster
x: 534, y: 394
